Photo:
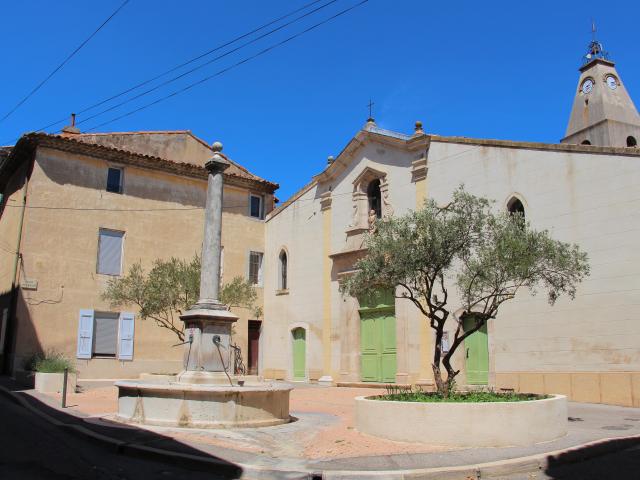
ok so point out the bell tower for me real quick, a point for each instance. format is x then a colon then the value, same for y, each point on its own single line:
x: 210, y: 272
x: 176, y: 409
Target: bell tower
x: 603, y: 114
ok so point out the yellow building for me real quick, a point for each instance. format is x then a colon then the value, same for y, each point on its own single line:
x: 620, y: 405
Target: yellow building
x: 79, y: 209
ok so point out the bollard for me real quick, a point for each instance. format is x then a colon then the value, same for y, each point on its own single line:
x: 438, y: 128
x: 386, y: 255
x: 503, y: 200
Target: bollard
x: 64, y: 387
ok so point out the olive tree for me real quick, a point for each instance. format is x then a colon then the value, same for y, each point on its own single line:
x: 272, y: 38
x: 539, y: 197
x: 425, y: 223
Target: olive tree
x: 487, y: 256
x: 169, y: 289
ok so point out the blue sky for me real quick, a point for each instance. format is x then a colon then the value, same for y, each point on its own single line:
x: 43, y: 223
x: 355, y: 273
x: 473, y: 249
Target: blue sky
x: 478, y: 69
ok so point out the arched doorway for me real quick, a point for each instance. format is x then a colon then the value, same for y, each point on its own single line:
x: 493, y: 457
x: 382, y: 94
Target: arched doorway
x: 299, y: 339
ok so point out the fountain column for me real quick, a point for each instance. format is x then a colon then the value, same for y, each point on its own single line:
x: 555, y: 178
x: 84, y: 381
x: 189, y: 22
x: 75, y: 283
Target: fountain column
x: 208, y: 322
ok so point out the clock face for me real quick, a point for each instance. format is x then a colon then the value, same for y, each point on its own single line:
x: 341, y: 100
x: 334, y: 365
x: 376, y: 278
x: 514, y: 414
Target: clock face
x: 587, y: 85
x: 612, y: 82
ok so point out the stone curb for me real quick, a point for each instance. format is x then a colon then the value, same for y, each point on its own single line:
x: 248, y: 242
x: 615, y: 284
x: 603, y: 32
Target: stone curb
x: 527, y: 464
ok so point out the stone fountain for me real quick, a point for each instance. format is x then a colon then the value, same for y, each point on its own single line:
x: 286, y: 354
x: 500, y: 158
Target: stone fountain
x: 206, y: 394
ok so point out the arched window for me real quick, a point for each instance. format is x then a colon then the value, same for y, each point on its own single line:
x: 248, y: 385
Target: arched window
x: 631, y: 141
x: 586, y: 142
x: 515, y: 207
x: 282, y: 278
x: 375, y: 197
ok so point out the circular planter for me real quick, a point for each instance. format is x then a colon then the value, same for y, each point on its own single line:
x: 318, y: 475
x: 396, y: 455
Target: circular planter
x: 457, y: 424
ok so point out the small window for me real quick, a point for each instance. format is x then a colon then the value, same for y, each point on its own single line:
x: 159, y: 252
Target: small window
x: 282, y: 283
x: 375, y: 197
x: 444, y: 343
x: 105, y: 334
x: 631, y: 141
x: 110, y: 244
x: 256, y: 207
x: 114, y: 180
x: 255, y: 268
x: 586, y: 142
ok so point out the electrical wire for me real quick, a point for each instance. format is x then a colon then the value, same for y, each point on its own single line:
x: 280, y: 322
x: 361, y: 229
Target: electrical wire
x: 64, y: 62
x: 184, y: 64
x: 225, y: 70
x: 195, y: 69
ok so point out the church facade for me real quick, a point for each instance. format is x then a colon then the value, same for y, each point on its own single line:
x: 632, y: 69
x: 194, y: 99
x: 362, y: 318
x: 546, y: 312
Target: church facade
x: 583, y: 190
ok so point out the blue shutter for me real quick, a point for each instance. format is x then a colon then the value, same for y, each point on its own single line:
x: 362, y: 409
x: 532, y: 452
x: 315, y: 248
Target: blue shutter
x: 126, y: 330
x: 110, y: 252
x: 85, y: 334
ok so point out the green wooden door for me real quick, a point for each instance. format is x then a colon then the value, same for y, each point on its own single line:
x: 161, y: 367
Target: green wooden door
x: 477, y: 355
x: 378, y: 340
x: 299, y: 353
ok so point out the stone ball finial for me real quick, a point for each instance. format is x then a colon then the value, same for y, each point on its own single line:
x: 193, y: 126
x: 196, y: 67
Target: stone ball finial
x: 216, y: 147
x: 330, y: 159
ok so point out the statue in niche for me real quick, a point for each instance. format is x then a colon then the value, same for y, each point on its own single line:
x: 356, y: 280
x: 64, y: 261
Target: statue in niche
x: 372, y: 221
x: 386, y: 203
x: 354, y: 220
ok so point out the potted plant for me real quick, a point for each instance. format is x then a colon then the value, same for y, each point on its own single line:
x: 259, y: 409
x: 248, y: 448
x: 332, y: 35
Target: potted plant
x: 49, y: 372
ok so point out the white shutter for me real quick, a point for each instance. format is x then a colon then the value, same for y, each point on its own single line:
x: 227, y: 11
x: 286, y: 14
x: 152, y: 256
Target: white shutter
x: 260, y: 257
x: 127, y: 324
x: 110, y: 252
x: 85, y: 334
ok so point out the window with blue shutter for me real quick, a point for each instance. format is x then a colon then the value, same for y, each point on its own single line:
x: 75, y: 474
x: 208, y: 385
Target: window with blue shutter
x: 110, y: 252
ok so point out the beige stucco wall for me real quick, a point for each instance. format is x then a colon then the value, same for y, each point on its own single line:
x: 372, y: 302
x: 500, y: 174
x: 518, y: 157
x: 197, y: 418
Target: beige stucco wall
x: 588, y: 199
x: 298, y: 229
x: 60, y: 252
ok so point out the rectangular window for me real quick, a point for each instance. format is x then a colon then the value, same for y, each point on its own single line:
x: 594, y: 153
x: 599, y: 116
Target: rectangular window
x: 256, y: 207
x: 255, y: 268
x: 110, y: 252
x: 105, y: 334
x: 114, y: 180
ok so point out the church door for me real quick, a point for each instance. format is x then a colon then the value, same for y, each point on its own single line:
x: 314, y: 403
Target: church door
x: 299, y: 353
x: 477, y: 355
x: 378, y: 339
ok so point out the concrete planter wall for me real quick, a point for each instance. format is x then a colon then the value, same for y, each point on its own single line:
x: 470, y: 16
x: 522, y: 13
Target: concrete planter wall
x: 52, y: 382
x: 491, y: 424
x: 203, y: 406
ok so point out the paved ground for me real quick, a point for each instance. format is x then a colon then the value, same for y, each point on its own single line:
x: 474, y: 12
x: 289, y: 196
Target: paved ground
x: 323, y: 439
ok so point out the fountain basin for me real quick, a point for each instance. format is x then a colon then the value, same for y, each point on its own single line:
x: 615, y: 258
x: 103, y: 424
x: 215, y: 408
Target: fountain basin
x: 203, y: 406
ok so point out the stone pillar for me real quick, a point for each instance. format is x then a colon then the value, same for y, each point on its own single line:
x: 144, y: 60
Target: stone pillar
x: 208, y: 322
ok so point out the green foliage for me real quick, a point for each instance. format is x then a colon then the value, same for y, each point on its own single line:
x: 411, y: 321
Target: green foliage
x: 238, y: 293
x: 488, y: 257
x: 461, y: 397
x: 169, y: 289
x: 52, y: 362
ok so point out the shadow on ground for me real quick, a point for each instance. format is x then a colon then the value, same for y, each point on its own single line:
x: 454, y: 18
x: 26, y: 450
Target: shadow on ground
x: 37, y: 440
x: 595, y: 463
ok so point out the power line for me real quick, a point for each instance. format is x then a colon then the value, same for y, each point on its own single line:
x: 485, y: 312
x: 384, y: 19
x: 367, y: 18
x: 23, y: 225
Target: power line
x: 184, y: 64
x: 215, y: 59
x: 225, y: 70
x: 37, y: 87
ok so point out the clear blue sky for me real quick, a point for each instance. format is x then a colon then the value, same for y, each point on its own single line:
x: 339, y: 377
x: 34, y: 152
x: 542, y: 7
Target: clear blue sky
x: 479, y: 69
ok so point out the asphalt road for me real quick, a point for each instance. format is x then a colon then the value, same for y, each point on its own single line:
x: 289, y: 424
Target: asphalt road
x: 31, y: 448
